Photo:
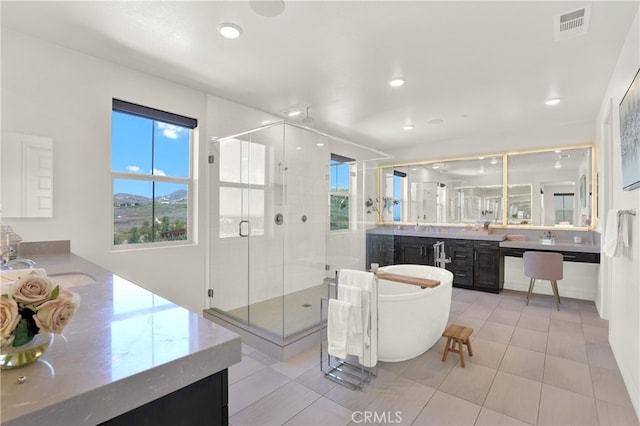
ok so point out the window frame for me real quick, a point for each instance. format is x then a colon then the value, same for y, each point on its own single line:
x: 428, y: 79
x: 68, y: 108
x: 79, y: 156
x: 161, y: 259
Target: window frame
x: 169, y: 118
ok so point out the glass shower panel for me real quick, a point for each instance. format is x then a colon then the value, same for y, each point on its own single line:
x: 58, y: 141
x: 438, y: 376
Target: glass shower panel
x: 306, y: 183
x: 232, y: 289
x: 265, y: 231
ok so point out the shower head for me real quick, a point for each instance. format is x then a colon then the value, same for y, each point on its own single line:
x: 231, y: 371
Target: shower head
x: 307, y: 120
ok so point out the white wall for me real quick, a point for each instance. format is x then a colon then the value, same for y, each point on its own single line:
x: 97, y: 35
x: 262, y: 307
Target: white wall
x: 620, y: 286
x: 58, y: 93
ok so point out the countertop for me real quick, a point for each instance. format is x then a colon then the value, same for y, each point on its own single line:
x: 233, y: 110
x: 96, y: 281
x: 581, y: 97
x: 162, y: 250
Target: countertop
x: 558, y: 246
x: 124, y: 347
x: 471, y: 235
x: 459, y: 235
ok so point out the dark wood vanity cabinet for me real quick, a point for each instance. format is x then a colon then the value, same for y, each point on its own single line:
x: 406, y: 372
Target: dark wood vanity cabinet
x: 488, y: 274
x: 475, y: 264
x: 461, y: 266
x: 413, y: 250
x: 379, y: 250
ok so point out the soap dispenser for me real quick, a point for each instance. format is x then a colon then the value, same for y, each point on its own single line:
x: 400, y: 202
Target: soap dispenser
x: 10, y: 244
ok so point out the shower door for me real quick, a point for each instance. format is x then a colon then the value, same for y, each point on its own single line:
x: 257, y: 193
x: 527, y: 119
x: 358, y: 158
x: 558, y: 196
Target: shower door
x: 248, y: 259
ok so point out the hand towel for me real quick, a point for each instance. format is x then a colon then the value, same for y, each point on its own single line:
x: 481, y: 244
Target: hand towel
x: 623, y: 229
x: 366, y: 281
x: 337, y: 327
x: 352, y: 295
x: 610, y: 246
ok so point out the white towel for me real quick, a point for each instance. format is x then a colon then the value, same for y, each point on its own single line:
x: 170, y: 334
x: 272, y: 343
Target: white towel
x: 337, y: 327
x: 366, y: 281
x: 611, y: 233
x: 352, y: 295
x: 623, y: 229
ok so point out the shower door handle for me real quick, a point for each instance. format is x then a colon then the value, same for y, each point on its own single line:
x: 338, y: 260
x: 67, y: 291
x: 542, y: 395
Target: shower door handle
x: 240, y: 228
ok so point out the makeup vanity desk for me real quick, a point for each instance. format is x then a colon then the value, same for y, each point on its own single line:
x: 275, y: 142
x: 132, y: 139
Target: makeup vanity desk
x: 585, y: 253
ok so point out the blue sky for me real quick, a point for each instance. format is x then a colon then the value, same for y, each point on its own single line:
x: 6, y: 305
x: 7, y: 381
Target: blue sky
x: 142, y: 146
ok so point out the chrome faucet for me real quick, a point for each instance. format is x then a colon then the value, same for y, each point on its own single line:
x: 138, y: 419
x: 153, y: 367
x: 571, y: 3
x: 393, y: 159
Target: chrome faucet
x: 439, y: 255
x: 9, y: 265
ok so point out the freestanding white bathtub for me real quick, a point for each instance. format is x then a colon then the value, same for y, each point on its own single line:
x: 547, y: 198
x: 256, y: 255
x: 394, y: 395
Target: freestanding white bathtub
x: 411, y: 319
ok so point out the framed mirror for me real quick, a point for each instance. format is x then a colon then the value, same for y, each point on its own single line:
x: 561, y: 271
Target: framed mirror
x: 542, y: 188
x: 464, y: 191
x: 559, y: 183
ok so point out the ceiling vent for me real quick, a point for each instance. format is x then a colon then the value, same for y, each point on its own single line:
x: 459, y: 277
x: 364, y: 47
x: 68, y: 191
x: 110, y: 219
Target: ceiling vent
x: 572, y: 23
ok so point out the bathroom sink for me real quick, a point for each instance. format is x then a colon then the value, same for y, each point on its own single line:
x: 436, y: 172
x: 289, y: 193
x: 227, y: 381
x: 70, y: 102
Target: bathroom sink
x: 72, y: 279
x: 9, y: 275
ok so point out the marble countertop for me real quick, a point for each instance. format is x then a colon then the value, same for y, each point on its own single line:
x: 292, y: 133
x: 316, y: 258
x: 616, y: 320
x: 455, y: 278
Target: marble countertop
x: 558, y: 246
x: 471, y: 235
x: 459, y: 235
x: 124, y: 347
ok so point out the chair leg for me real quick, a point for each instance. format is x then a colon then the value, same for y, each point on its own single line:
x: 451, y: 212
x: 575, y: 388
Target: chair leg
x: 556, y: 296
x: 461, y: 351
x: 446, y: 349
x: 469, y: 347
x: 530, y: 290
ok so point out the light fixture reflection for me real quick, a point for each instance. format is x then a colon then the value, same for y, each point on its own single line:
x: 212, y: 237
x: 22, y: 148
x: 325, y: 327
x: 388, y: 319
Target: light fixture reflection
x: 552, y: 101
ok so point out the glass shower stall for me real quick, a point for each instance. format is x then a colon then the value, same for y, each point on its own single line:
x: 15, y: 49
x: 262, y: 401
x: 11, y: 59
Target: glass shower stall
x: 287, y: 206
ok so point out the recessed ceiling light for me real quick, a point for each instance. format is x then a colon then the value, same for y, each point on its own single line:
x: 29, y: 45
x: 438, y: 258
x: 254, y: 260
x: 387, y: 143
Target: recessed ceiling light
x: 552, y: 101
x: 267, y: 8
x: 265, y: 122
x: 396, y: 82
x: 494, y: 160
x: 294, y: 112
x: 229, y: 30
x: 557, y: 165
x: 298, y: 148
x: 408, y: 127
x: 320, y: 144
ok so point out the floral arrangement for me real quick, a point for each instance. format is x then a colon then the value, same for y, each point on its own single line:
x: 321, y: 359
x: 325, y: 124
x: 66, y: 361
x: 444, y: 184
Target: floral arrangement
x: 380, y: 205
x: 31, y: 305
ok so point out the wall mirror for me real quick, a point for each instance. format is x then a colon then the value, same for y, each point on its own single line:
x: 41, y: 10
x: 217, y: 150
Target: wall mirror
x: 463, y: 191
x: 542, y: 188
x: 27, y: 176
x: 550, y: 188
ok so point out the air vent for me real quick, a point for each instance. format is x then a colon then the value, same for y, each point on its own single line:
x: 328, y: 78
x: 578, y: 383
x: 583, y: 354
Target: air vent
x: 572, y: 23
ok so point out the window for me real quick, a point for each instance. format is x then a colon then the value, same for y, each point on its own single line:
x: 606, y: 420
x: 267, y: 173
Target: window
x: 399, y: 190
x: 339, y: 192
x: 564, y: 207
x: 151, y: 171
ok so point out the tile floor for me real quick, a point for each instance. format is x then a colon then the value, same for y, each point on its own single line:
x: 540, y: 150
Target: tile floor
x: 531, y: 365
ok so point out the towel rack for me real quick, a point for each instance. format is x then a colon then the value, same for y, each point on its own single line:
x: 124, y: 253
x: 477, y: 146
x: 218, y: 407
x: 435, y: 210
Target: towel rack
x: 346, y: 372
x: 631, y: 212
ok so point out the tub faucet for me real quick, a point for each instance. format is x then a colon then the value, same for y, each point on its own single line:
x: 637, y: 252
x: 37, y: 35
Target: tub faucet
x: 440, y: 259
x: 9, y: 265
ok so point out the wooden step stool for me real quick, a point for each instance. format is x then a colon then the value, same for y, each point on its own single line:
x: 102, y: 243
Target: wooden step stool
x: 457, y: 335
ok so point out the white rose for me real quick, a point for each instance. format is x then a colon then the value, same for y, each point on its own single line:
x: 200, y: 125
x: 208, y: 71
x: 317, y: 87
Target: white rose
x: 6, y: 342
x: 55, y: 314
x: 9, y: 318
x: 32, y: 289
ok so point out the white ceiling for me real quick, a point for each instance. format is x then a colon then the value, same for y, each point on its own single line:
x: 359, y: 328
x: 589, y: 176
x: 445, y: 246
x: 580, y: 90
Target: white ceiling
x: 482, y: 67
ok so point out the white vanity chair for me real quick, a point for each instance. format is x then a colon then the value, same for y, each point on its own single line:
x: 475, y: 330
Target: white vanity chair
x: 543, y: 266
